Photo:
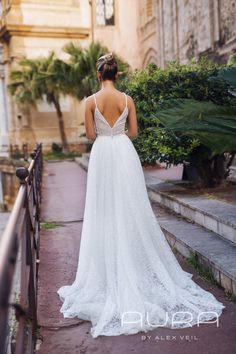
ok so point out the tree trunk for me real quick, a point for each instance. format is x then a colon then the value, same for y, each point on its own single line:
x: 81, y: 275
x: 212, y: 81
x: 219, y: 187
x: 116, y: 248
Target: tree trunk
x: 65, y: 146
x: 213, y: 171
x: 219, y: 169
x: 211, y: 168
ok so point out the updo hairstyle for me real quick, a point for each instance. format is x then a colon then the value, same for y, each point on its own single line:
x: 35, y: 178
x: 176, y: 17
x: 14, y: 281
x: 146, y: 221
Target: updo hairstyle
x: 107, y: 66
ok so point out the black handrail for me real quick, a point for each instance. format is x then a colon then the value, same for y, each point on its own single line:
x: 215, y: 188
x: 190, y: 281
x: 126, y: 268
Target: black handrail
x: 22, y: 230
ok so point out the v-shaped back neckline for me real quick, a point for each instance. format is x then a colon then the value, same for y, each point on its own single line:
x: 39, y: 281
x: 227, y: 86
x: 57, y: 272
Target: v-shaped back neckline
x: 116, y: 119
x: 106, y: 121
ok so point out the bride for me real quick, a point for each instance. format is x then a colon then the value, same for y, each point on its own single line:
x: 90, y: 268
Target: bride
x: 128, y: 279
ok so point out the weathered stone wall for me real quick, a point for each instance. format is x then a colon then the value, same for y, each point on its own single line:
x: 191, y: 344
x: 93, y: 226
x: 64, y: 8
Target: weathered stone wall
x: 147, y: 32
x: 9, y: 181
x: 227, y: 21
x: 122, y: 36
x: 189, y: 28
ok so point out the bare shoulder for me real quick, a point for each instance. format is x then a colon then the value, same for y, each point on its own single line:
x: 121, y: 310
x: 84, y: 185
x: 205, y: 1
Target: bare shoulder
x: 89, y: 101
x: 130, y: 98
x: 130, y: 101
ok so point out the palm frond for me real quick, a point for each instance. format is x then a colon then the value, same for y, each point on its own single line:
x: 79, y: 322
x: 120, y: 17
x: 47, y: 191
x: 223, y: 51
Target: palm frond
x: 229, y: 75
x: 213, y: 125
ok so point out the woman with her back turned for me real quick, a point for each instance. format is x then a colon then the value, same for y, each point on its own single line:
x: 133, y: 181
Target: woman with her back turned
x: 128, y: 279
x: 111, y: 101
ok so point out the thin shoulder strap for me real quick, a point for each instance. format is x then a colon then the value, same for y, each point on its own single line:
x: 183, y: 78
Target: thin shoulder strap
x: 94, y: 96
x: 125, y: 99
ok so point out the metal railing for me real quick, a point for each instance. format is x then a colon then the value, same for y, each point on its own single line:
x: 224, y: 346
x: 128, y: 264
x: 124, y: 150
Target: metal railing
x: 22, y: 233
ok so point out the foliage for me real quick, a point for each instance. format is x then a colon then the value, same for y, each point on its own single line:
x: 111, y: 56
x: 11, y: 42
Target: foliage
x: 212, y: 125
x: 186, y: 113
x: 50, y: 225
x: 229, y: 75
x: 22, y: 82
x: 153, y: 143
x: 205, y: 272
x: 232, y: 60
x: 50, y: 77
x: 82, y: 64
x: 36, y: 79
x: 60, y: 156
x: 39, y: 78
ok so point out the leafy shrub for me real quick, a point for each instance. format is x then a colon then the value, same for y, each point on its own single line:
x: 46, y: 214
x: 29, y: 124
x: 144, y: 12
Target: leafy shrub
x: 171, y: 104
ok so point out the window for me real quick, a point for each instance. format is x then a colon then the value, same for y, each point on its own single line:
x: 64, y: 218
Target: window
x: 105, y: 12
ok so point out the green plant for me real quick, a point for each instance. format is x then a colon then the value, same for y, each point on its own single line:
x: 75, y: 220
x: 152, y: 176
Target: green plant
x: 47, y: 225
x: 186, y: 114
x: 82, y: 63
x: 233, y: 298
x: 36, y: 79
x: 205, y: 272
x: 60, y: 156
x: 213, y: 126
x: 50, y: 77
x: 233, y: 59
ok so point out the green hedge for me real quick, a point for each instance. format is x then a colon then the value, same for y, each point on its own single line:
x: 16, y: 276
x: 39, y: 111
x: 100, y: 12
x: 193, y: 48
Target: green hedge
x: 173, y: 106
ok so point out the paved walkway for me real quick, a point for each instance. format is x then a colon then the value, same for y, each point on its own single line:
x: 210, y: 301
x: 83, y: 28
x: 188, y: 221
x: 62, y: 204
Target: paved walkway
x: 63, y: 201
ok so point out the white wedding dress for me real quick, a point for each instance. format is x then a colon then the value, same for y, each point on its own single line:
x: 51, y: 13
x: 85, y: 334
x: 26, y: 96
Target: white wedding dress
x: 128, y: 279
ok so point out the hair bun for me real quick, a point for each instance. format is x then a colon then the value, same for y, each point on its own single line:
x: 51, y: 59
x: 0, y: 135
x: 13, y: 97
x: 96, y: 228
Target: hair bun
x: 105, y: 59
x: 109, y: 58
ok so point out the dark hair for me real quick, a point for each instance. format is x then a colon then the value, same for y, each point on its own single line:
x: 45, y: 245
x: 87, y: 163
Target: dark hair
x: 107, y: 66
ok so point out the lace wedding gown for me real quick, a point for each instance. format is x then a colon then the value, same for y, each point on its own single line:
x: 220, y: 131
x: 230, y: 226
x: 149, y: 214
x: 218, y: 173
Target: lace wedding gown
x: 128, y: 279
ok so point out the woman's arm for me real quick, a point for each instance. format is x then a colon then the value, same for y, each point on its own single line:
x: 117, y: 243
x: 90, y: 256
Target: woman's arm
x: 132, y: 124
x: 89, y: 121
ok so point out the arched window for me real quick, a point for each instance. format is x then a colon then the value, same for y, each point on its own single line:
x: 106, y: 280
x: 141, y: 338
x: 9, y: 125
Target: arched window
x: 105, y: 12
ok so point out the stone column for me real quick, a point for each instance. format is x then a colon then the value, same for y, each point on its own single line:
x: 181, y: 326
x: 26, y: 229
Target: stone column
x: 161, y: 37
x: 4, y: 142
x: 176, y: 29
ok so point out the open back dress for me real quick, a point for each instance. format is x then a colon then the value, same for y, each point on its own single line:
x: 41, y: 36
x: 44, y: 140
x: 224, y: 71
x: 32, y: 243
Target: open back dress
x: 128, y: 279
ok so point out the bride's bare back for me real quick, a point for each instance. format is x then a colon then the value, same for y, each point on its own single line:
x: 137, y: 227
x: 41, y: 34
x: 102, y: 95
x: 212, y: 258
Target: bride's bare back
x: 111, y: 103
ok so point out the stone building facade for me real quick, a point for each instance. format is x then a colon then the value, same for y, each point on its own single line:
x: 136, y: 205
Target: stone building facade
x: 184, y: 29
x: 115, y: 25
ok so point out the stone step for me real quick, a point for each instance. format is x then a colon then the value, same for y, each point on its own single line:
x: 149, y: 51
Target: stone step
x: 215, y: 215
x: 213, y: 252
x: 232, y: 175
x: 83, y: 161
